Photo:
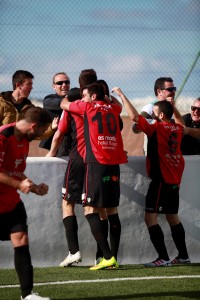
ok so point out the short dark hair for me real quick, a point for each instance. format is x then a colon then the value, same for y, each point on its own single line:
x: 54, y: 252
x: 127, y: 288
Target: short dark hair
x: 74, y: 94
x: 105, y: 85
x: 19, y: 76
x: 160, y: 83
x: 96, y: 88
x: 86, y: 77
x: 38, y: 115
x: 165, y: 107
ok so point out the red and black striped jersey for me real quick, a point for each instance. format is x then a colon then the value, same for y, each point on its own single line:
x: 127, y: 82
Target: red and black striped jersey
x: 75, y: 124
x: 102, y: 131
x: 13, y: 154
x: 164, y: 158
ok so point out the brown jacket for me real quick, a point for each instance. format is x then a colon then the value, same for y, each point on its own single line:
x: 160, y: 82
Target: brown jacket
x: 9, y: 113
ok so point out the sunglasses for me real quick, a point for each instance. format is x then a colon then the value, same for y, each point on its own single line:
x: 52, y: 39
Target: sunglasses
x: 170, y: 89
x: 61, y: 82
x: 193, y: 108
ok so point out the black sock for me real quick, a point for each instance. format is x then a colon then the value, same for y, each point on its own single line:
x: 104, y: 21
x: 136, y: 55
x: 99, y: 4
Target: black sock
x: 71, y: 230
x: 157, y: 238
x: 22, y: 261
x: 104, y: 224
x: 115, y: 233
x: 178, y: 235
x: 97, y: 231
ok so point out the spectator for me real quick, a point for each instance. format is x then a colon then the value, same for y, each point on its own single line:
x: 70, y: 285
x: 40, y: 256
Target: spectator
x: 14, y: 145
x: 61, y: 85
x: 14, y: 104
x: 164, y: 89
x: 189, y: 144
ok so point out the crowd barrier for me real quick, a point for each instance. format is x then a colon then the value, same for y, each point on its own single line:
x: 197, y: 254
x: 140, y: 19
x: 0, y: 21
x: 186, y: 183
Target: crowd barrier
x: 48, y: 244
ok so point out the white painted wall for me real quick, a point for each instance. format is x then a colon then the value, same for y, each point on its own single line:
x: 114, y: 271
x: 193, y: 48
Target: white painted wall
x: 47, y: 238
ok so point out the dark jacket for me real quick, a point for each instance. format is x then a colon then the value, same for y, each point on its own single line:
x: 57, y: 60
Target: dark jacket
x: 52, y: 104
x: 189, y: 144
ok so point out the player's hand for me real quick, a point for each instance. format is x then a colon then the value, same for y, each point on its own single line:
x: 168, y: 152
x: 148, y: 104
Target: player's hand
x: 49, y: 154
x: 171, y: 100
x: 54, y: 124
x: 118, y: 91
x: 25, y: 186
x: 40, y: 189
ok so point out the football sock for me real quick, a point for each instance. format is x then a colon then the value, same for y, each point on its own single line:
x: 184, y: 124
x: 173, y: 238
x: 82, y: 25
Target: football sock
x: 97, y: 231
x: 178, y: 235
x: 157, y: 239
x: 115, y: 233
x: 24, y: 269
x: 104, y: 224
x: 71, y: 231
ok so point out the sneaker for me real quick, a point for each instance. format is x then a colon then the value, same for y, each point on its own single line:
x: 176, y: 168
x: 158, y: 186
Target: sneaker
x: 180, y: 261
x: 35, y: 296
x: 116, y: 266
x: 70, y: 259
x: 98, y: 260
x: 159, y: 263
x: 104, y: 263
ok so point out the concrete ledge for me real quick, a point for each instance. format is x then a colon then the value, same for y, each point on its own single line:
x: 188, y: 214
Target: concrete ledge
x: 47, y: 237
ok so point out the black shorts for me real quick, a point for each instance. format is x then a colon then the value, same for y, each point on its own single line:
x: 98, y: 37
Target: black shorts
x: 13, y: 221
x: 162, y: 198
x: 73, y: 182
x: 102, y: 185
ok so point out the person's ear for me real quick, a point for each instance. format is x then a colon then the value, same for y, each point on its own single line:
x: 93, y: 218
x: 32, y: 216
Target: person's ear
x: 161, y: 115
x: 18, y: 85
x: 94, y: 97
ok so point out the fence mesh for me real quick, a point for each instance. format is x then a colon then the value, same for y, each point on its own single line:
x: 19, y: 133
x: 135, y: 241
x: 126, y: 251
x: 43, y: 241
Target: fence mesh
x: 129, y: 43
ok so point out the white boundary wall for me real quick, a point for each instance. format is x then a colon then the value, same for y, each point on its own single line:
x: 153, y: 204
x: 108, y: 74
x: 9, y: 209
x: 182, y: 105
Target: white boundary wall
x: 48, y: 244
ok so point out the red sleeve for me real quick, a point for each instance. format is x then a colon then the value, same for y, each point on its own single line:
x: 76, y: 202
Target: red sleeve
x: 147, y: 127
x: 64, y: 123
x: 78, y: 107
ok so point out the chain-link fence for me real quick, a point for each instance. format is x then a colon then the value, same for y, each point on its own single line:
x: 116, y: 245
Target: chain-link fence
x: 129, y: 43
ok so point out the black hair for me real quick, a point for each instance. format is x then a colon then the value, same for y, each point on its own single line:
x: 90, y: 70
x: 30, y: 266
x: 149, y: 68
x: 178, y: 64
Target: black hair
x: 165, y: 107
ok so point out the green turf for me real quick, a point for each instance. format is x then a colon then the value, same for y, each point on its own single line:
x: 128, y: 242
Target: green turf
x: 174, y: 288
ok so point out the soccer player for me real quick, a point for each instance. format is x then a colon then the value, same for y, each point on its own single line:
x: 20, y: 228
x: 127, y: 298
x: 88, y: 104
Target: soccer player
x: 104, y: 153
x: 14, y: 146
x: 74, y: 175
x: 165, y: 165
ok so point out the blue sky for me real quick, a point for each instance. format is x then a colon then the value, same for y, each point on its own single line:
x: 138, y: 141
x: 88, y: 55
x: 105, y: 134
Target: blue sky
x: 129, y: 43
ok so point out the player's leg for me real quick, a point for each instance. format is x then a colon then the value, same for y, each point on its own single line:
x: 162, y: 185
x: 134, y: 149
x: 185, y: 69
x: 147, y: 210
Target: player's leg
x: 178, y: 235
x: 94, y: 201
x: 177, y: 230
x: 114, y: 229
x: 72, y: 191
x: 153, y: 205
x: 104, y: 223
x: 22, y: 259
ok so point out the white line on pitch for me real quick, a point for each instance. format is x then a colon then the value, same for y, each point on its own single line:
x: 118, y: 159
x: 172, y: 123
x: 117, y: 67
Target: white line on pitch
x: 105, y: 280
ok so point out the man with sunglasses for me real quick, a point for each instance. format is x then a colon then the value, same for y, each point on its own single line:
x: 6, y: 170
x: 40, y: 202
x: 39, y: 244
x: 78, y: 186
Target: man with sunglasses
x: 51, y: 103
x: 191, y: 145
x: 164, y: 89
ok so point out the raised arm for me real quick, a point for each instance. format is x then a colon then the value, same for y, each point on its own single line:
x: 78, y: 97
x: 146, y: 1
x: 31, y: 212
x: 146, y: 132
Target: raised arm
x: 177, y: 116
x: 56, y: 141
x: 131, y: 111
x: 65, y: 103
x: 194, y: 132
